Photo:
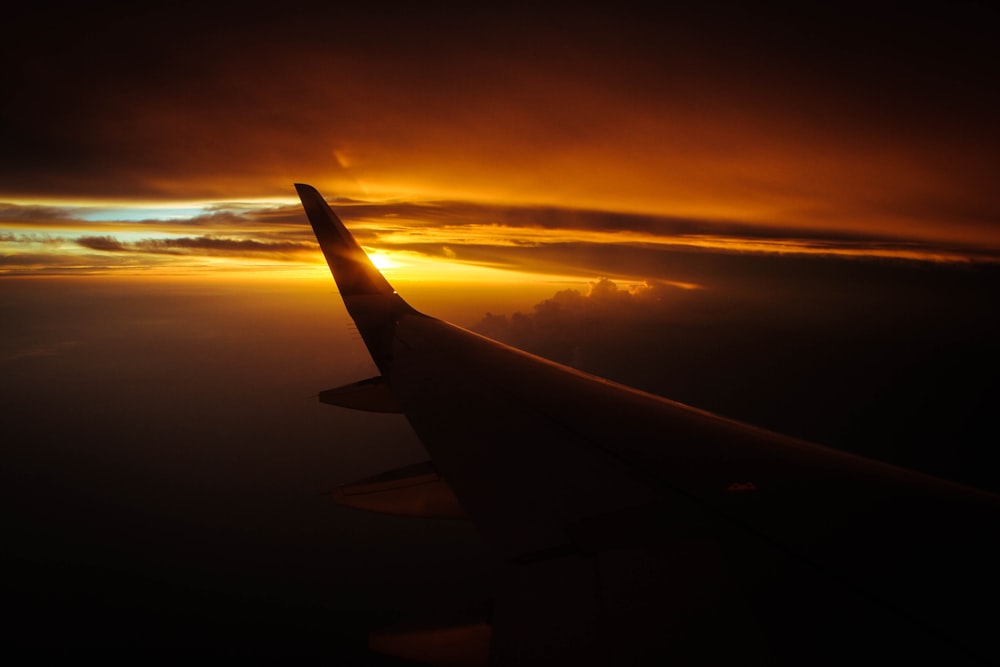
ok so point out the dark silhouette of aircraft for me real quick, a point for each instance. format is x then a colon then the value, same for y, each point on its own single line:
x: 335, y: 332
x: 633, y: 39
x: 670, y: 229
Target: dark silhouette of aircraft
x: 631, y: 529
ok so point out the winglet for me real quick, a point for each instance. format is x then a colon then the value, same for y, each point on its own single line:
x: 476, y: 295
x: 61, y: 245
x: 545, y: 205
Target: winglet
x: 354, y: 272
x: 370, y: 299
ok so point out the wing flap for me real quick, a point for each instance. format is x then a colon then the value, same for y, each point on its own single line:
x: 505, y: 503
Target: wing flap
x: 371, y: 395
x: 415, y: 490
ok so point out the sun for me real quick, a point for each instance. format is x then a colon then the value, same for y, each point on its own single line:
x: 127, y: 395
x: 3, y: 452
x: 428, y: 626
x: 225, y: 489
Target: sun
x: 381, y: 260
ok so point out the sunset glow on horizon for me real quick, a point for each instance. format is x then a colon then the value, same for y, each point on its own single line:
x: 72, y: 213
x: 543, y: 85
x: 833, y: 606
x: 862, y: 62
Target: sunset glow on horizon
x: 431, y: 241
x: 759, y: 138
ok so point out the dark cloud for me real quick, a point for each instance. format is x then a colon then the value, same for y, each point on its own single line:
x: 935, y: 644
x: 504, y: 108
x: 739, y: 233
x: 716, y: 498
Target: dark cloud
x: 897, y: 361
x: 536, y: 239
x: 35, y: 214
x: 198, y: 245
x: 843, y: 117
x: 211, y: 244
x: 507, y: 225
x: 103, y: 243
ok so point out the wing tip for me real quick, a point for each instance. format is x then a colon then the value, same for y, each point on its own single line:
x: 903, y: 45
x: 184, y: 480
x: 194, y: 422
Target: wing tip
x: 306, y: 190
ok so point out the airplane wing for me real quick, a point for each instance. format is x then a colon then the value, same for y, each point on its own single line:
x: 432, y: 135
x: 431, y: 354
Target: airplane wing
x: 634, y: 529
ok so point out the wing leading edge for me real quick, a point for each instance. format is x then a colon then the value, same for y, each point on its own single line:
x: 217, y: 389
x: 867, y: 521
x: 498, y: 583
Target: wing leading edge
x: 368, y: 296
x: 637, y: 528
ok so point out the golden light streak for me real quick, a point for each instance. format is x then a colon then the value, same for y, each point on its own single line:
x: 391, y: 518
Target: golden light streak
x: 509, y: 237
x: 413, y: 267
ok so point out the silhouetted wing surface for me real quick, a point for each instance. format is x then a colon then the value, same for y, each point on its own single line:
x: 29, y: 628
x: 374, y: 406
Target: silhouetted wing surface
x: 635, y: 528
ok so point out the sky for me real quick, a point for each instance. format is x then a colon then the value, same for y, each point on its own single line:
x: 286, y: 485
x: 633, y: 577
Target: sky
x: 785, y: 215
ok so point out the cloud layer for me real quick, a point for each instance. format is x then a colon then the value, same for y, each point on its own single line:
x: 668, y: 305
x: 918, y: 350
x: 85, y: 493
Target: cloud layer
x: 530, y: 239
x: 859, y: 120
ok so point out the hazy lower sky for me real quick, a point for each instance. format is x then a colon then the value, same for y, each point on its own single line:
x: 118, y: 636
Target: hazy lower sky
x: 786, y: 215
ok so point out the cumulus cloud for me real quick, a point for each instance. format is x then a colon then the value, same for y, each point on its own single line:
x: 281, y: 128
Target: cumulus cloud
x: 571, y: 325
x: 863, y: 356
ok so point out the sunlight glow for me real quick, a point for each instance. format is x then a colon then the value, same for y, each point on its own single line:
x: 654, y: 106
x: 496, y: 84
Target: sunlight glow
x: 406, y: 266
x: 442, y: 242
x: 382, y: 260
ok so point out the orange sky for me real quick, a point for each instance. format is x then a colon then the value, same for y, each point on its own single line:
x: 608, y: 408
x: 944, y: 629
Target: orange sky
x: 765, y: 131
